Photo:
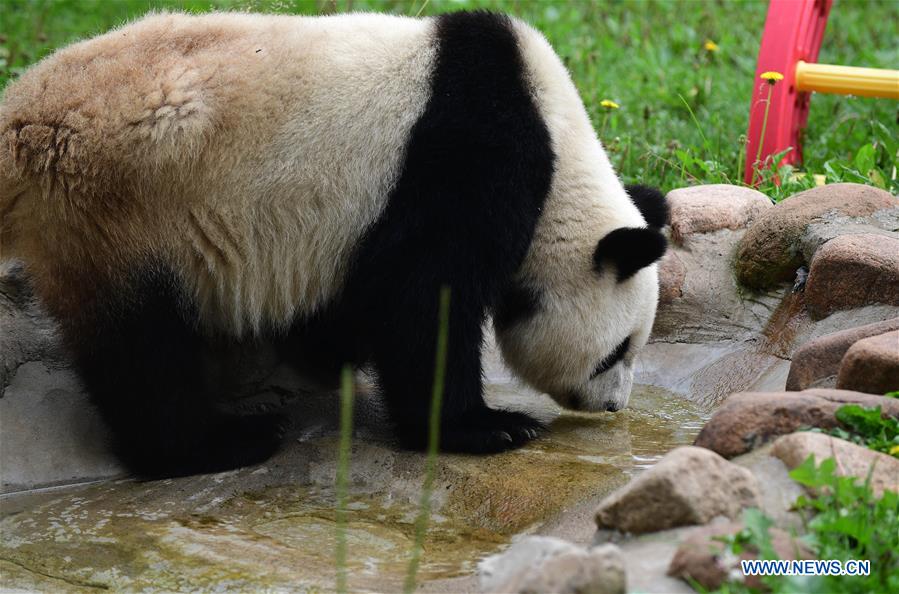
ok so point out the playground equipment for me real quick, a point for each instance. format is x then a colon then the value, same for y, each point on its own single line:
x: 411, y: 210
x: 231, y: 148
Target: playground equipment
x: 790, y: 44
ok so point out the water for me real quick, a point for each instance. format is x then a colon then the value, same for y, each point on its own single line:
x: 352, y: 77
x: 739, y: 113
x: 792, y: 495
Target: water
x: 274, y: 527
x: 630, y: 440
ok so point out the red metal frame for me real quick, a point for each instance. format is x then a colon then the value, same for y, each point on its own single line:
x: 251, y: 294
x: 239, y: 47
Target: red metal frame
x: 793, y: 32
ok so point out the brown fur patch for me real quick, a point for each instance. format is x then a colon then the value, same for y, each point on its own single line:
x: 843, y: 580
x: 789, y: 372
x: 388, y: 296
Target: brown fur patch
x: 248, y: 151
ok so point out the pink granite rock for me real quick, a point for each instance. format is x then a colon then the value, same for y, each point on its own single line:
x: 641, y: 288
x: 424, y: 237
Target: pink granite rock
x: 816, y: 363
x: 701, y: 557
x: 852, y: 271
x: 748, y: 420
x: 852, y: 460
x: 871, y: 365
x: 770, y: 251
x: 702, y: 209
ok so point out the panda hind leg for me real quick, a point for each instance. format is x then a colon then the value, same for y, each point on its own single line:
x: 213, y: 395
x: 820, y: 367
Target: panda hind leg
x: 141, y: 360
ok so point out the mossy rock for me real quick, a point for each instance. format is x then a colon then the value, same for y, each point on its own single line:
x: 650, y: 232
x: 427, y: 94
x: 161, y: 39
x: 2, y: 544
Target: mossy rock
x: 771, y: 251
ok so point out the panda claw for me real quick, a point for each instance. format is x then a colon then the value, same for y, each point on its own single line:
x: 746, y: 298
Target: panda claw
x: 282, y: 428
x: 479, y: 431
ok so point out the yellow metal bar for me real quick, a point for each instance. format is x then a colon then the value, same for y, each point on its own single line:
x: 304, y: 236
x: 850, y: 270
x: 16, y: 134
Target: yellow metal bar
x: 847, y: 80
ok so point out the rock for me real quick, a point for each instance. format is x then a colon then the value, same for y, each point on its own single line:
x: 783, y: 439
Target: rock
x: 780, y: 491
x: 851, y: 271
x: 831, y: 225
x: 699, y: 300
x: 704, y: 558
x: 852, y: 460
x: 646, y: 558
x: 816, y: 363
x: 871, y: 365
x: 543, y: 564
x: 707, y: 373
x: 747, y: 420
x: 702, y: 209
x: 50, y: 432
x: 688, y: 486
x: 672, y: 273
x: 771, y: 251
x: 28, y: 334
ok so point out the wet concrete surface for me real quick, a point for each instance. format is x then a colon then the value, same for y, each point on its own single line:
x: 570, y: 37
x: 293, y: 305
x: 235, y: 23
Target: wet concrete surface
x: 273, y: 527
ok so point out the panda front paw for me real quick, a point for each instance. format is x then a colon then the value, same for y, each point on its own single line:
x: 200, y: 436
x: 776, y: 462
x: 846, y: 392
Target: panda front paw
x: 480, y: 431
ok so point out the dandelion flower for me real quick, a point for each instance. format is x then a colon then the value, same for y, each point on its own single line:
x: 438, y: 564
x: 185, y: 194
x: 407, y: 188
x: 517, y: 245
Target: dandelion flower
x: 772, y: 78
x: 710, y: 46
x: 894, y: 450
x: 608, y: 105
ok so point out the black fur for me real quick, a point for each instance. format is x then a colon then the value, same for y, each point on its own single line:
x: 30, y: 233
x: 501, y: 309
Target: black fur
x: 517, y: 304
x: 616, y: 356
x: 477, y: 171
x: 652, y: 204
x: 142, y: 360
x: 629, y: 249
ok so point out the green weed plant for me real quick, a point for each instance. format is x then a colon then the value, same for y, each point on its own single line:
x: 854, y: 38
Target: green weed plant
x: 842, y: 520
x: 868, y: 427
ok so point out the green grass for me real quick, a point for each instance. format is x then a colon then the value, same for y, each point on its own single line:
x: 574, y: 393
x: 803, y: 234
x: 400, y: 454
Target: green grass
x: 341, y: 481
x: 843, y: 521
x: 424, y: 511
x: 867, y: 427
x: 683, y: 110
x: 345, y: 449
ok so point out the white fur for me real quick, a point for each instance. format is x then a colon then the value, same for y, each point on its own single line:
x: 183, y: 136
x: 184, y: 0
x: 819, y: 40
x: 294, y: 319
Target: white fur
x: 255, y: 150
x: 290, y: 211
x: 584, y: 315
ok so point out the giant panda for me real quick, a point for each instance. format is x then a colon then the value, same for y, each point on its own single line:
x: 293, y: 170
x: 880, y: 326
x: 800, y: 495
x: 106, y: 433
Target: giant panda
x: 185, y: 182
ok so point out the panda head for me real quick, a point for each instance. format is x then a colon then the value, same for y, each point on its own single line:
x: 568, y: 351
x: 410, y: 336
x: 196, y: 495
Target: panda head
x: 578, y: 341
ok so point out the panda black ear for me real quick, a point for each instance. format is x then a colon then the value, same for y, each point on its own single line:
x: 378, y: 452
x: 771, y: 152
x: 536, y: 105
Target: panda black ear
x: 652, y: 204
x: 629, y: 249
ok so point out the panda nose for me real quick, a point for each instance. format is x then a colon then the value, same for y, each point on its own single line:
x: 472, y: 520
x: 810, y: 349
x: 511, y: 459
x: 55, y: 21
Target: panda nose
x: 612, y: 407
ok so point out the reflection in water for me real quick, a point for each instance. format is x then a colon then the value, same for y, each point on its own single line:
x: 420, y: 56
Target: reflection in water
x: 659, y: 421
x: 633, y: 439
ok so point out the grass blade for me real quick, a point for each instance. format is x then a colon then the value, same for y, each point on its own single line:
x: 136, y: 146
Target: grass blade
x: 705, y: 141
x: 343, y: 472
x: 421, y: 522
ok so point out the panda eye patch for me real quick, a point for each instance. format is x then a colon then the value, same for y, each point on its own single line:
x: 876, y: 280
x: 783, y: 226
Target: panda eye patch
x: 616, y: 356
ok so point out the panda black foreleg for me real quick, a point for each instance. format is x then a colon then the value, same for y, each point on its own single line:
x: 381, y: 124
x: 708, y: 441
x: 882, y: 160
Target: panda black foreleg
x: 141, y: 359
x: 405, y: 361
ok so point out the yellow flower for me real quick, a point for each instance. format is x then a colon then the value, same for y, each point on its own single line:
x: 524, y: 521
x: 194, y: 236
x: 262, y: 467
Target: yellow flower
x: 710, y: 46
x: 894, y: 450
x: 609, y: 104
x: 772, y: 77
